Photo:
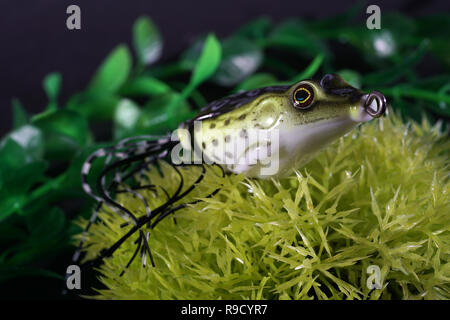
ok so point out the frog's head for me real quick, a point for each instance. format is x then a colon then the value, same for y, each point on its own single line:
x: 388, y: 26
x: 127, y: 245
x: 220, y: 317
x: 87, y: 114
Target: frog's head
x: 333, y: 98
x: 303, y: 118
x: 312, y: 114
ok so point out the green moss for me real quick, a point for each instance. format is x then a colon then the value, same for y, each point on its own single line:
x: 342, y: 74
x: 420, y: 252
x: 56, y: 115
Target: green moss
x: 379, y: 196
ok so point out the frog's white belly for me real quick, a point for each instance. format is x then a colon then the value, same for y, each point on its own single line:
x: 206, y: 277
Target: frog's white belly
x: 272, y: 152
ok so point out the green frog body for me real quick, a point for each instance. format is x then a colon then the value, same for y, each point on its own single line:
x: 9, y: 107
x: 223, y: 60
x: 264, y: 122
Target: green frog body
x: 270, y: 131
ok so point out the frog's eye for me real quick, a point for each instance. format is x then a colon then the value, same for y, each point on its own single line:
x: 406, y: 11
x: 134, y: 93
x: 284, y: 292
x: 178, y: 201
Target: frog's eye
x: 303, y: 96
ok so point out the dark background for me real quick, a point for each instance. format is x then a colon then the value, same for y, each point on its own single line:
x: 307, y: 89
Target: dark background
x: 35, y: 41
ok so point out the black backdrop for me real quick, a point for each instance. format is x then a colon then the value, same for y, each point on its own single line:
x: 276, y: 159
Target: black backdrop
x: 35, y: 41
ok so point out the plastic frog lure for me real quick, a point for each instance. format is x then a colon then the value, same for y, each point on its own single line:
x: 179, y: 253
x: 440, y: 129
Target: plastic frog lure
x: 262, y: 133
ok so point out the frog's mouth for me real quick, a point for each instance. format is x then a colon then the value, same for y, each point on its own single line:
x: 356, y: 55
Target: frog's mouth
x: 367, y: 106
x: 372, y: 105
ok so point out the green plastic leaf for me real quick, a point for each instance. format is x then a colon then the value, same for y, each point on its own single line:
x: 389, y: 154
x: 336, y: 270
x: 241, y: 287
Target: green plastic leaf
x: 125, y: 119
x: 290, y: 33
x: 240, y: 58
x: 52, y: 85
x: 47, y: 225
x: 294, y: 34
x: 441, y: 48
x: 190, y: 56
x: 203, y: 57
x: 256, y: 29
x: 393, y: 73
x: 208, y: 62
x: 31, y: 141
x: 437, y: 101
x: 47, y: 235
x: 443, y: 106
x: 391, y: 42
x: 197, y: 97
x: 147, y: 41
x: 155, y: 119
x: 435, y: 83
x: 257, y: 80
x: 12, y: 157
x: 171, y: 69
x: 438, y: 36
x: 113, y: 72
x: 145, y: 86
x: 20, y: 117
x: 401, y: 26
x: 21, y: 166
x: 279, y: 66
x: 95, y: 107
x: 65, y: 131
x: 311, y: 69
x: 14, y: 197
x: 352, y: 77
x: 408, y: 110
x: 70, y: 179
x: 205, y: 67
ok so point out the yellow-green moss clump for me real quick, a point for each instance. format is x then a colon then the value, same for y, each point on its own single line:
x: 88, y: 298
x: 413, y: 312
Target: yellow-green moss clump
x: 379, y: 196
